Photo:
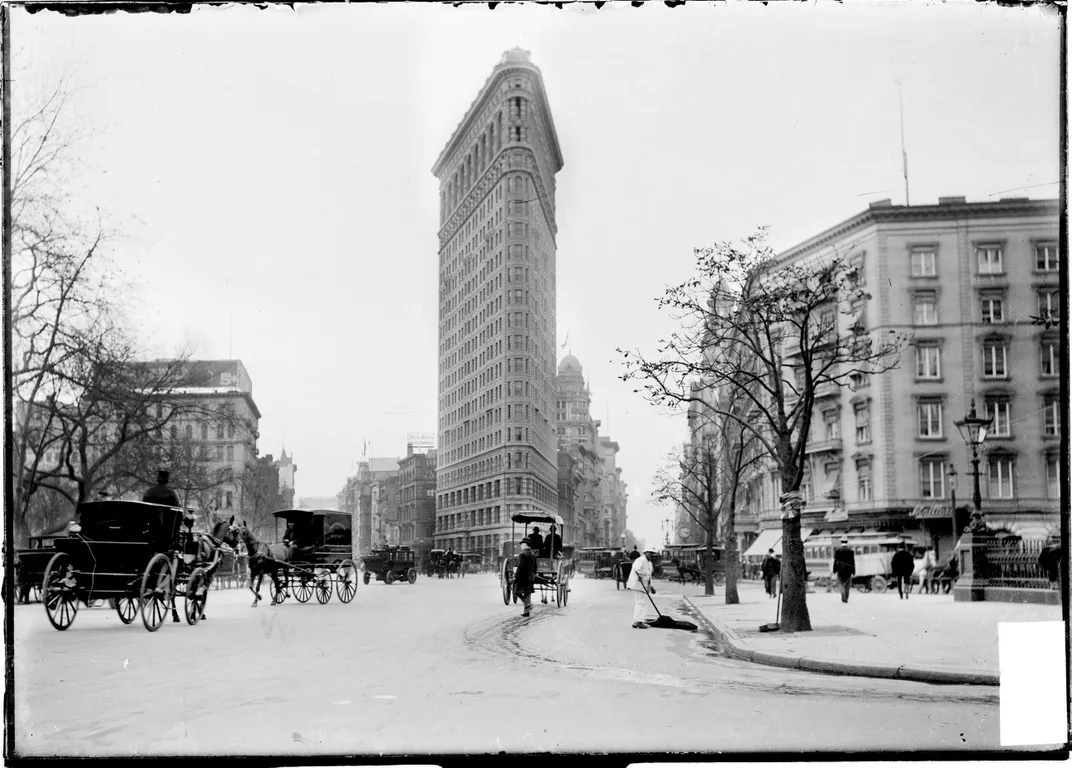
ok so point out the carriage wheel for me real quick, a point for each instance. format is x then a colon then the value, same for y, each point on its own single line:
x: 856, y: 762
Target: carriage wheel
x: 61, y: 603
x: 303, y: 589
x: 157, y: 589
x: 278, y: 594
x: 389, y: 577
x: 196, y: 595
x: 367, y: 577
x: 127, y: 608
x: 879, y: 584
x: 346, y: 584
x: 504, y: 582
x: 411, y: 575
x: 322, y: 587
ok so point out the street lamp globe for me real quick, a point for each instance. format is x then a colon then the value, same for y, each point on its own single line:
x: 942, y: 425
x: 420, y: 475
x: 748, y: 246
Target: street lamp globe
x: 973, y: 429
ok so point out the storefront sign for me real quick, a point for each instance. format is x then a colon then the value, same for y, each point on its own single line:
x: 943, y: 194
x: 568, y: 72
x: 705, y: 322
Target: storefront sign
x: 923, y: 511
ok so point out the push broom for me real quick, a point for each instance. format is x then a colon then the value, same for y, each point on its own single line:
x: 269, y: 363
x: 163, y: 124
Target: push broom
x: 665, y: 621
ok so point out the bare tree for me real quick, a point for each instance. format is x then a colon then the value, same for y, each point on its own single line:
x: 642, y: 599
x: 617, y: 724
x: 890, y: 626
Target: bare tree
x: 779, y: 333
x: 260, y: 496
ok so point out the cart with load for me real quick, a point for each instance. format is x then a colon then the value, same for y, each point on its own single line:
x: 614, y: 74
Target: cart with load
x: 320, y: 556
x: 552, y: 573
x: 390, y: 564
x: 133, y: 554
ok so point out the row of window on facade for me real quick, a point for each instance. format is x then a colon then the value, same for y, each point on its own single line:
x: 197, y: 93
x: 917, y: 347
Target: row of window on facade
x: 992, y: 306
x: 990, y: 259
x: 930, y: 418
x: 995, y: 353
x: 471, y: 519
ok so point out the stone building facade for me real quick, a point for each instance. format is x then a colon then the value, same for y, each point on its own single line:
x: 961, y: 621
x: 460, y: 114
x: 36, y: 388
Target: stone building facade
x: 496, y: 445
x: 976, y: 287
x: 416, y: 501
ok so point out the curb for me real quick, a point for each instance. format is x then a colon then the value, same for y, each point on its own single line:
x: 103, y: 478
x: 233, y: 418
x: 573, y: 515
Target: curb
x: 739, y: 649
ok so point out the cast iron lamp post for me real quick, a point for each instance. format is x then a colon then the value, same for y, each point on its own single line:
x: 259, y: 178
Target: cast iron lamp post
x: 953, y: 495
x: 973, y: 429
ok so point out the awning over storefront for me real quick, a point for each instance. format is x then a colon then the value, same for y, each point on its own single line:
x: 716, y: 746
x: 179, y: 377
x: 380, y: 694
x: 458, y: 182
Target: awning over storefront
x: 766, y: 540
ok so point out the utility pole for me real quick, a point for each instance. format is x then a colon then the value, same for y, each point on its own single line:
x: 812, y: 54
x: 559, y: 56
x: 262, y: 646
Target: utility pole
x: 9, y: 434
x: 904, y: 154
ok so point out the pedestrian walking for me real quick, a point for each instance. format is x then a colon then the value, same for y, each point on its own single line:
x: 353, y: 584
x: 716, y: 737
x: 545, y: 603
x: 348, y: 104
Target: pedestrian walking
x: 640, y: 582
x: 525, y: 575
x: 902, y: 566
x: 770, y: 569
x: 844, y: 567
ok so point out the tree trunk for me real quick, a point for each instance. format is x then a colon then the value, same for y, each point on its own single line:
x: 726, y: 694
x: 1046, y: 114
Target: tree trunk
x: 731, y: 557
x: 794, y: 617
x: 709, y: 561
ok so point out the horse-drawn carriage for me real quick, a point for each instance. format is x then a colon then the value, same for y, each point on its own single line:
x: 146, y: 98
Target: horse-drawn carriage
x: 390, y: 564
x: 552, y: 573
x: 444, y: 564
x: 134, y: 554
x: 315, y: 556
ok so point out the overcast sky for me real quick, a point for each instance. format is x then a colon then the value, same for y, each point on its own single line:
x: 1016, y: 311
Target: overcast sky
x: 270, y: 172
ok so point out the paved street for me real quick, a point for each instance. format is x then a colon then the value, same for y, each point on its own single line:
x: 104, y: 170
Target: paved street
x: 443, y: 666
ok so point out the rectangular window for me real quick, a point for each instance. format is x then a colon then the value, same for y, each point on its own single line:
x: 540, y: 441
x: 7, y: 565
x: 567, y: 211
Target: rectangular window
x: 1046, y: 257
x: 230, y: 453
x: 932, y: 478
x: 219, y: 431
x: 989, y: 260
x: 1053, y: 477
x: 229, y: 499
x: 862, y: 414
x: 1051, y: 422
x: 1049, y: 358
x: 1001, y: 469
x: 995, y: 359
x: 925, y: 309
x: 928, y: 361
x: 833, y: 425
x: 998, y: 409
x: 863, y: 483
x: 1049, y: 304
x: 923, y: 263
x: 992, y: 309
x: 930, y: 419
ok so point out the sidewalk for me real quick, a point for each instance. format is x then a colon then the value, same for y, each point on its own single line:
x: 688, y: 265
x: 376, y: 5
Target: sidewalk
x: 928, y: 638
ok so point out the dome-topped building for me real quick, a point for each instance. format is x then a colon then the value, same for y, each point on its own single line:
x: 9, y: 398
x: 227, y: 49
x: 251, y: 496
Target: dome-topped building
x: 573, y: 401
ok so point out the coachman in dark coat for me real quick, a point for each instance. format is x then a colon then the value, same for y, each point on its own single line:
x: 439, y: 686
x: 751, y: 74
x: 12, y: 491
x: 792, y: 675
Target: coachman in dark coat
x: 525, y: 575
x: 161, y: 493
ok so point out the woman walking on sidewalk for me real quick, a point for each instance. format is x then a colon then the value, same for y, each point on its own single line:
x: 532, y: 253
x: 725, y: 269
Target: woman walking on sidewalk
x: 639, y: 581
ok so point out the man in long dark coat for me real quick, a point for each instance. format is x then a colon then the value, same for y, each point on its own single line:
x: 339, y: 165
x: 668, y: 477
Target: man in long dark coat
x: 770, y: 569
x: 844, y: 567
x: 525, y: 575
x: 902, y: 566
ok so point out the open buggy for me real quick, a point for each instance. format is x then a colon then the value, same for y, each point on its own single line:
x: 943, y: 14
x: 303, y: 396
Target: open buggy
x: 552, y: 573
x: 135, y: 554
x: 390, y: 564
x: 319, y: 545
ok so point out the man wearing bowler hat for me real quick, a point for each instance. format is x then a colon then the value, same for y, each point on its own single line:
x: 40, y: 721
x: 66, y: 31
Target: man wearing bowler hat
x: 525, y: 575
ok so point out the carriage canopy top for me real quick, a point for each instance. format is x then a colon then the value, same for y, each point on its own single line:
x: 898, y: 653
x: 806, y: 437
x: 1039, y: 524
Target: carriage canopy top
x: 535, y: 516
x: 116, y: 520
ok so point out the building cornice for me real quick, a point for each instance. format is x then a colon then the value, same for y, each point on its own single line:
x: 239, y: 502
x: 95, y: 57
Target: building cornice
x: 878, y: 215
x: 484, y: 98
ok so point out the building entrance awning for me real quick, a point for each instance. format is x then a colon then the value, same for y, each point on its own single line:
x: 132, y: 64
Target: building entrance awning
x: 766, y: 540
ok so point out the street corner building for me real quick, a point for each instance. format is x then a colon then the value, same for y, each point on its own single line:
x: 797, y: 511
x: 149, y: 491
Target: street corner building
x: 497, y: 450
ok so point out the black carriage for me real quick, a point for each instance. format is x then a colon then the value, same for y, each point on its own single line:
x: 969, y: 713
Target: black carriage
x: 320, y: 556
x: 688, y: 563
x: 30, y: 565
x: 391, y: 564
x: 132, y: 553
x: 553, y: 574
x: 444, y: 564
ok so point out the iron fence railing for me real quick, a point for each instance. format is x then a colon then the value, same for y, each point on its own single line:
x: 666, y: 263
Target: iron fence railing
x: 1016, y: 564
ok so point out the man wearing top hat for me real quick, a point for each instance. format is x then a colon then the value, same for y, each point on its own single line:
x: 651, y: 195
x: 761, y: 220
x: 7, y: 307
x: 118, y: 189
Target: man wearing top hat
x: 844, y: 567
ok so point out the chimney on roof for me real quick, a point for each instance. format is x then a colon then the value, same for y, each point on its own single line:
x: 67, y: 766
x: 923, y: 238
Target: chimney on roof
x: 951, y: 200
x: 887, y: 203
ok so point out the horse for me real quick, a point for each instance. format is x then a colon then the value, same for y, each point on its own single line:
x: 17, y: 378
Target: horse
x: 263, y: 558
x: 924, y: 570
x: 206, y: 549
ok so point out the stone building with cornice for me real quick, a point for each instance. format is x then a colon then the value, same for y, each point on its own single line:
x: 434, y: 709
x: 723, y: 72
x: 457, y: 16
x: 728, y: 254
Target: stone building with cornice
x: 497, y: 450
x: 975, y: 286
